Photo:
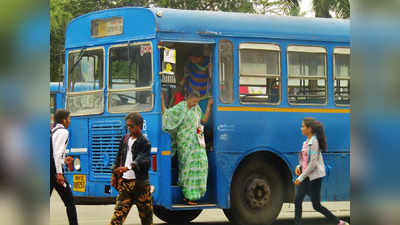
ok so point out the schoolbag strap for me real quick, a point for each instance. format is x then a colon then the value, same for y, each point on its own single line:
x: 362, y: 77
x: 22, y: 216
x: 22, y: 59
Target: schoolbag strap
x: 312, y: 139
x: 56, y: 129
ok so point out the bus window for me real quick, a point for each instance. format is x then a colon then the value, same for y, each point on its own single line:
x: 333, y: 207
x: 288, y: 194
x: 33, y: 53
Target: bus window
x: 226, y: 71
x: 260, y: 76
x: 341, y: 73
x: 307, y: 75
x: 85, y: 82
x: 131, y: 77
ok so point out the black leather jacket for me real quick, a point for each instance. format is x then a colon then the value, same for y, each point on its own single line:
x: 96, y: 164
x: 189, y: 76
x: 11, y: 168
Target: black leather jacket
x: 140, y: 156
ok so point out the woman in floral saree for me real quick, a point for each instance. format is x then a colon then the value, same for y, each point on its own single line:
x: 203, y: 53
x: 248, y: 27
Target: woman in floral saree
x: 183, y: 123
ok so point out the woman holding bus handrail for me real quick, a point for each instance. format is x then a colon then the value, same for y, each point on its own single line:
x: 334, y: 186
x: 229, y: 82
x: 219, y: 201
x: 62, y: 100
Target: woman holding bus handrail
x: 183, y: 123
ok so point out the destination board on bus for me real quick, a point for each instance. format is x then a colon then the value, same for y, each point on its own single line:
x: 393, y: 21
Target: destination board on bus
x: 107, y: 27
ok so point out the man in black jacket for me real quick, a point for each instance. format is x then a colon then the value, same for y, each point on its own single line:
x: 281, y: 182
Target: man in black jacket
x: 130, y: 174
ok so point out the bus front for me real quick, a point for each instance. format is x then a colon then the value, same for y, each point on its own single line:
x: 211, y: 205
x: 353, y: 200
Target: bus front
x: 109, y: 73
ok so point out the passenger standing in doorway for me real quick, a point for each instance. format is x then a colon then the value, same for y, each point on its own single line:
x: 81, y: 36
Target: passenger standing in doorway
x: 198, y: 74
x: 311, y: 170
x: 183, y: 123
x: 198, y: 77
x: 131, y: 174
x: 58, y: 144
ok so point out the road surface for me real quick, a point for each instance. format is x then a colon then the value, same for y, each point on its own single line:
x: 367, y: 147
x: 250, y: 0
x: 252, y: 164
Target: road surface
x: 101, y: 214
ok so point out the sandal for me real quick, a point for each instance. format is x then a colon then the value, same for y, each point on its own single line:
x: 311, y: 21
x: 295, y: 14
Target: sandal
x: 189, y: 202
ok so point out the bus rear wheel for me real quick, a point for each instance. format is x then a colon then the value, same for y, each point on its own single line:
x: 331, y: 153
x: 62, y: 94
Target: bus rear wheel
x: 175, y: 217
x: 256, y: 194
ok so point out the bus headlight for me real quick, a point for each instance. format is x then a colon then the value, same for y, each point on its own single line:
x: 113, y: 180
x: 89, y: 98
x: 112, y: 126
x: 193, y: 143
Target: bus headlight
x: 77, y: 164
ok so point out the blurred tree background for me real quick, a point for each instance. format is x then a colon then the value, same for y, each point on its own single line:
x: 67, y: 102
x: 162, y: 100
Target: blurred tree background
x: 63, y: 11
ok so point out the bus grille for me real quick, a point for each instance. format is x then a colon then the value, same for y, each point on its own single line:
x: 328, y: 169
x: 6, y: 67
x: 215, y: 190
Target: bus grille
x: 105, y: 138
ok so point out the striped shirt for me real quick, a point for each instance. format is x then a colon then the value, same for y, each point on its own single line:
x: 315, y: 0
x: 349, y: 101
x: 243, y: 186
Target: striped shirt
x: 198, y: 76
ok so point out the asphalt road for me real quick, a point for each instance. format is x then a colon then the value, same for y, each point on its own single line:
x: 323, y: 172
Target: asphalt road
x: 101, y: 214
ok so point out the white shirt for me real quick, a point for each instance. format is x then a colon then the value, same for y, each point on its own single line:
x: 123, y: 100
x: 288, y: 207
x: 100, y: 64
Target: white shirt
x: 130, y: 174
x: 60, y: 139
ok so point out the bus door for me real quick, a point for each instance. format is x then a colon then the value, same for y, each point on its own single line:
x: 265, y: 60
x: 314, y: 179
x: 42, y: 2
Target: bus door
x: 176, y: 84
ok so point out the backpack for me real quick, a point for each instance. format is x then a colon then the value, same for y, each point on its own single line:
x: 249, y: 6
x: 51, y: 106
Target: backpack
x: 328, y: 167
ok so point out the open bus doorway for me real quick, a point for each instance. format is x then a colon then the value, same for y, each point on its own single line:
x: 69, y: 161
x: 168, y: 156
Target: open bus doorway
x: 174, y: 58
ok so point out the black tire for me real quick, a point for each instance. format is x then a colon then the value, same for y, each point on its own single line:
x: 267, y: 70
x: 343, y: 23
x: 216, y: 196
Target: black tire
x: 175, y: 217
x: 256, y: 194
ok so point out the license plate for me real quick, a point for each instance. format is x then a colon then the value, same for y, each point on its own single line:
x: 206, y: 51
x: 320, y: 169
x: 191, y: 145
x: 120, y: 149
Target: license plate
x: 79, y: 183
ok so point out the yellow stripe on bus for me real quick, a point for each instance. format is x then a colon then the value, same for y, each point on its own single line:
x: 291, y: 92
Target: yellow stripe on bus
x: 270, y: 109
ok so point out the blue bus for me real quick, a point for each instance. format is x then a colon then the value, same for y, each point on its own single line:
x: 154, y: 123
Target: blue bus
x: 56, y: 98
x: 269, y: 72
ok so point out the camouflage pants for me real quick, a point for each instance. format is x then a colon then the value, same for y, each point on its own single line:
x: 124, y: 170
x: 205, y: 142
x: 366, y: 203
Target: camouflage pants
x: 131, y: 192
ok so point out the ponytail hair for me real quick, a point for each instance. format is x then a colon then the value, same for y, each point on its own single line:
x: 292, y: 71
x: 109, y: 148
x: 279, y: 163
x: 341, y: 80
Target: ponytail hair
x: 317, y: 128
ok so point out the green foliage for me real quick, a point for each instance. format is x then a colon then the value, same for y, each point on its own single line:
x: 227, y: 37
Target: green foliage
x: 214, y: 5
x: 340, y: 7
x: 290, y: 7
x: 322, y: 8
x: 120, y: 69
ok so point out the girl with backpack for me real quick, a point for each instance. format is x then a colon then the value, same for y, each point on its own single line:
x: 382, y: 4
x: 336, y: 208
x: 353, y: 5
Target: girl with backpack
x: 311, y: 170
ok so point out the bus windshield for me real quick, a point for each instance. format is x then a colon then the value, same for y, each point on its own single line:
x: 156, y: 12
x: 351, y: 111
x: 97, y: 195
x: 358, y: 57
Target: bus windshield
x: 85, y: 82
x: 130, y: 78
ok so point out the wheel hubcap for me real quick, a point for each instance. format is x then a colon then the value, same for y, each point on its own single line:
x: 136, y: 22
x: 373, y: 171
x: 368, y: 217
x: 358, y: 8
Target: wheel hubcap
x: 258, y: 193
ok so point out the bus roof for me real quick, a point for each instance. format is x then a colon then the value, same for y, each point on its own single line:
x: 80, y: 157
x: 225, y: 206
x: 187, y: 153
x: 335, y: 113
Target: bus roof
x: 145, y: 23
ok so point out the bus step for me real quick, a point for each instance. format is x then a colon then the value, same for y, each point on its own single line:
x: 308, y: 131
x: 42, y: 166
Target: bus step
x: 200, y: 205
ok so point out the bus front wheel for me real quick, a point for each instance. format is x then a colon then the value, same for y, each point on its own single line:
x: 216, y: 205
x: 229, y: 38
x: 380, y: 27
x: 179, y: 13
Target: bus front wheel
x: 256, y: 194
x: 175, y: 217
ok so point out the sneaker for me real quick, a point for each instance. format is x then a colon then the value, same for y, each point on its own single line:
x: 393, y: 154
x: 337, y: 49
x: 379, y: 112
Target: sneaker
x: 341, y: 222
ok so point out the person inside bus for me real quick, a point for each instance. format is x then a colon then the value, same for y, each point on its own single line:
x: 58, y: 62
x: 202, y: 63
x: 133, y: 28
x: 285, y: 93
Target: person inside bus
x: 197, y: 75
x: 183, y: 123
x: 179, y: 93
x: 311, y: 170
x: 131, y: 174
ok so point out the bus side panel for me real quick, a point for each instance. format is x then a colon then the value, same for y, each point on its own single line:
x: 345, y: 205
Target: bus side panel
x: 212, y: 181
x: 162, y: 195
x: 336, y: 184
x: 240, y: 131
x: 225, y: 171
